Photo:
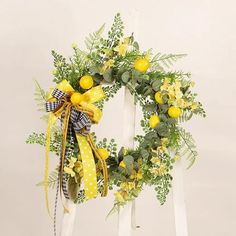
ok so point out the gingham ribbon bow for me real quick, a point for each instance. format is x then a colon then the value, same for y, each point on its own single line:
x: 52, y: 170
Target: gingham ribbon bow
x: 80, y: 121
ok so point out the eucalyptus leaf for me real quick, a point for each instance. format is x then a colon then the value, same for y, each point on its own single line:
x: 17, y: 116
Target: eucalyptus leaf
x: 156, y: 85
x: 129, y: 160
x: 108, y: 76
x: 125, y: 77
x: 144, y: 153
x: 162, y: 129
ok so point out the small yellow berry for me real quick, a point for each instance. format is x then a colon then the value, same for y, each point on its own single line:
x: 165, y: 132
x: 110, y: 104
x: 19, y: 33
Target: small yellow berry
x: 158, y: 98
x: 103, y: 153
x: 86, y: 82
x: 54, y: 72
x: 174, y: 112
x: 76, y: 98
x: 176, y: 158
x: 154, y: 121
x: 74, y: 45
x: 142, y: 65
x: 122, y: 164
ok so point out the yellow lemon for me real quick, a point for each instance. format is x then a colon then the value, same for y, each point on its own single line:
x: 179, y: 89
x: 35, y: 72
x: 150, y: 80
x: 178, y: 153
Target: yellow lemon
x: 103, y: 153
x: 158, y: 98
x: 122, y: 164
x: 76, y: 98
x: 142, y: 65
x: 174, y: 112
x: 86, y: 82
x: 154, y: 121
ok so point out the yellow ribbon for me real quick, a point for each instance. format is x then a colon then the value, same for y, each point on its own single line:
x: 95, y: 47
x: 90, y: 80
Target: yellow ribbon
x: 86, y: 144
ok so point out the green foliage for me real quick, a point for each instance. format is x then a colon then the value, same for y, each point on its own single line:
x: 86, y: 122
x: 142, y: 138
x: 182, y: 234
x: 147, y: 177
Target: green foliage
x: 188, y: 147
x: 161, y: 61
x: 185, y: 116
x: 52, y: 180
x: 94, y: 39
x: 63, y: 69
x: 111, y: 146
x: 40, y: 97
x: 110, y: 91
x: 55, y: 144
x: 162, y: 188
x: 116, y: 31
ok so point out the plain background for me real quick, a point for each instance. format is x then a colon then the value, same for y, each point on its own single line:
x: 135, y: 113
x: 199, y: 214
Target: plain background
x: 204, y: 29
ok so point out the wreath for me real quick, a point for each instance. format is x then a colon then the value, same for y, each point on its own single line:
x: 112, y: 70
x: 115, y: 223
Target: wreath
x: 85, y: 82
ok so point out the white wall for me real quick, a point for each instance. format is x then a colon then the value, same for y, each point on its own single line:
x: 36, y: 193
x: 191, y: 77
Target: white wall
x: 205, y: 29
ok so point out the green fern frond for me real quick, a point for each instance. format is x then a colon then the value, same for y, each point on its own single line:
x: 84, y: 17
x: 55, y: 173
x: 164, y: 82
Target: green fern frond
x: 188, y: 147
x: 39, y: 96
x: 52, y: 180
x: 185, y: 116
x: 62, y: 67
x: 93, y: 40
x: 115, y: 209
x: 162, y: 188
x: 80, y: 57
x: 116, y: 31
x: 161, y: 61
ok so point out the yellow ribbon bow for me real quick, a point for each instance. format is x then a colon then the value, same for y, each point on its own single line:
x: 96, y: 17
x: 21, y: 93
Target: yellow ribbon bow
x: 86, y: 144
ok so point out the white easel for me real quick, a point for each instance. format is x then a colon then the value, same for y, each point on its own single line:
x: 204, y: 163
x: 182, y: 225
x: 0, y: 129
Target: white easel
x: 126, y: 218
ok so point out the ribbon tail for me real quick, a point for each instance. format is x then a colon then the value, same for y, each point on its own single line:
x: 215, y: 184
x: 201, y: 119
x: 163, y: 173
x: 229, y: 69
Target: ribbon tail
x: 51, y: 121
x: 89, y: 167
x: 104, y: 165
x: 63, y: 150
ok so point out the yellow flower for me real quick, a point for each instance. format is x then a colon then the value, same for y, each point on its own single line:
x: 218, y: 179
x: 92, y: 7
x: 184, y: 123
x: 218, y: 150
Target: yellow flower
x: 173, y: 90
x: 140, y: 161
x: 165, y: 85
x: 192, y: 84
x: 159, y: 171
x: 107, y: 65
x: 178, y: 93
x: 156, y: 160
x: 194, y: 106
x: 122, y: 164
x: 78, y: 166
x: 74, y: 166
x: 181, y: 103
x: 107, y: 51
x: 176, y: 157
x: 139, y: 175
x: 136, y: 175
x: 127, y: 186
x: 162, y: 170
x: 164, y: 141
x: 72, y: 161
x: 125, y: 151
x: 122, y: 47
x: 69, y: 171
x: 119, y: 197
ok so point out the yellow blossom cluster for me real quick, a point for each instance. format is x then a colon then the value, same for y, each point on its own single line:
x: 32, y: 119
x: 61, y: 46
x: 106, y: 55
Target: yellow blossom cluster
x: 121, y: 50
x: 124, y: 194
x: 173, y: 90
x: 74, y: 167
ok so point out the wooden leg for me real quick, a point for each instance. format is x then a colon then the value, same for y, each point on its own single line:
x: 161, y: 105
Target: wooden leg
x: 126, y: 224
x: 179, y: 201
x: 68, y: 219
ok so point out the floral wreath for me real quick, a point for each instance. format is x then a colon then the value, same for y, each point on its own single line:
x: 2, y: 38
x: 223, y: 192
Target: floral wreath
x: 88, y: 166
